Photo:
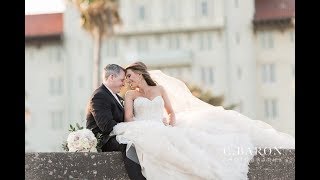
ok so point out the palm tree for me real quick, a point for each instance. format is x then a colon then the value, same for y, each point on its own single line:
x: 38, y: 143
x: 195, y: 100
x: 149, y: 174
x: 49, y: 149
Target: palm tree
x: 98, y: 17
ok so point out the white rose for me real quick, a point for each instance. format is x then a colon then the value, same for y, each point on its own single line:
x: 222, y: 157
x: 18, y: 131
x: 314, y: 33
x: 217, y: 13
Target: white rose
x: 82, y: 141
x: 85, y: 143
x: 72, y: 149
x: 93, y: 149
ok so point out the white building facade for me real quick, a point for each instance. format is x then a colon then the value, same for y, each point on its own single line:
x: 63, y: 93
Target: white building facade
x: 211, y: 43
x: 276, y: 77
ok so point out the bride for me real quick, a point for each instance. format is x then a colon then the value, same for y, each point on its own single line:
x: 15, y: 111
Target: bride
x: 174, y: 135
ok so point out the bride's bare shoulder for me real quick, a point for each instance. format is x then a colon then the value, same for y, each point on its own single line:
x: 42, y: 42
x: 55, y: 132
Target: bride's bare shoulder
x: 160, y: 88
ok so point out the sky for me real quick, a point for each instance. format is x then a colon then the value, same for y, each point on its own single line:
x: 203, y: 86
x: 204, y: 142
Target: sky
x: 44, y: 6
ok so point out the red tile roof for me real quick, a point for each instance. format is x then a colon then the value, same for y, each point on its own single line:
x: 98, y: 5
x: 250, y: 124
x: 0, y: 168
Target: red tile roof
x: 40, y: 25
x: 274, y: 9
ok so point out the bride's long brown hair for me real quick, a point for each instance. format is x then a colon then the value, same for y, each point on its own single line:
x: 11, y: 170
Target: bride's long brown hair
x: 140, y: 67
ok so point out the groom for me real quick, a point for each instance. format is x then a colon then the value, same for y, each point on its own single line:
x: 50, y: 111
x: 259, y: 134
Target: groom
x: 105, y: 110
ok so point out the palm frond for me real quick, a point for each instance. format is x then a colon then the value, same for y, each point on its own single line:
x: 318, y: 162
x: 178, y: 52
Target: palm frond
x: 98, y: 15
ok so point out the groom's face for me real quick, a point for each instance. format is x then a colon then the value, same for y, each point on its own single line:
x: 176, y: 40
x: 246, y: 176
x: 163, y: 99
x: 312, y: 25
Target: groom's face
x: 118, y: 82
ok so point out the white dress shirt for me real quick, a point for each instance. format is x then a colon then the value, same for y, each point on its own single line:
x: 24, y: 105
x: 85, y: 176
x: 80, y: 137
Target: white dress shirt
x: 114, y: 95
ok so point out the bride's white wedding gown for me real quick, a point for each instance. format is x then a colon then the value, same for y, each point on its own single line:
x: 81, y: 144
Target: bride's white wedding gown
x: 207, y: 142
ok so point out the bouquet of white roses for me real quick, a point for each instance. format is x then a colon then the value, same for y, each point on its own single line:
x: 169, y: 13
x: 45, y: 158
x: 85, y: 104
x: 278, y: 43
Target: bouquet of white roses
x: 81, y: 140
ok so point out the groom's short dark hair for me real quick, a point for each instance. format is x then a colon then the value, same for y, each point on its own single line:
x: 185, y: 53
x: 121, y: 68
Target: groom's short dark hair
x: 112, y: 69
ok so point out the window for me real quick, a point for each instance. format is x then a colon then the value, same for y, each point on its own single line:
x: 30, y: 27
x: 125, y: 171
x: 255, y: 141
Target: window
x: 209, y: 41
x: 207, y: 75
x: 141, y: 13
x: 211, y: 75
x: 268, y: 73
x: 262, y: 39
x: 51, y: 86
x: 274, y: 105
x: 266, y: 108
x: 142, y: 45
x: 205, y: 41
x: 171, y: 10
x: 56, y: 120
x: 270, y: 40
x: 111, y: 48
x: 173, y: 42
x: 59, y: 55
x: 236, y: 3
x: 55, y: 86
x: 271, y: 108
x: 50, y: 57
x: 203, y: 74
x: 204, y: 8
x: 271, y: 73
x: 264, y: 73
x: 60, y: 86
x: 201, y: 42
x: 266, y: 40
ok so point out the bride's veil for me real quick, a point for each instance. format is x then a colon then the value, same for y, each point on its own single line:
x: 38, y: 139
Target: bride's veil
x: 186, y: 105
x: 180, y: 96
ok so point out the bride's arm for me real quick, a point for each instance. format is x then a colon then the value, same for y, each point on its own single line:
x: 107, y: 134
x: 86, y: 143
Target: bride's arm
x: 128, y: 106
x: 168, y: 107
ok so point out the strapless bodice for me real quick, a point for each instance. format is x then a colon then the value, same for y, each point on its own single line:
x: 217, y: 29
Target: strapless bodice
x: 149, y: 110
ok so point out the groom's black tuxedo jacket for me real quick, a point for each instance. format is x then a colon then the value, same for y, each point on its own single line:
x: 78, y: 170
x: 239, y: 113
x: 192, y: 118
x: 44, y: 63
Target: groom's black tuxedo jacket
x: 103, y: 112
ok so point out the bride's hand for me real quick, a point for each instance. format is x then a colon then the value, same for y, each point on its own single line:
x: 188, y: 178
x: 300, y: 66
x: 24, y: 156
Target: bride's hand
x: 165, y: 121
x: 172, y: 122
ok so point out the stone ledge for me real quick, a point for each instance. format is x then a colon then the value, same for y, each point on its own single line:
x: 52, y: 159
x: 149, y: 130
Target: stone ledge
x: 279, y: 166
x: 109, y: 165
x: 67, y: 165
